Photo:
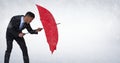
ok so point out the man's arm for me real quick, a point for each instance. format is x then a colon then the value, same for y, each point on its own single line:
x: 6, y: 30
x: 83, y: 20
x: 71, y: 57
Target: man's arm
x: 30, y: 30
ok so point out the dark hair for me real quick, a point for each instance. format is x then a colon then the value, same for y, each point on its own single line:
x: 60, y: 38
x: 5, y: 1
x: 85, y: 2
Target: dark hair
x: 30, y: 14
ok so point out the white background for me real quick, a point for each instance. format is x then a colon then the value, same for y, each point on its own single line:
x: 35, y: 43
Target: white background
x: 89, y: 31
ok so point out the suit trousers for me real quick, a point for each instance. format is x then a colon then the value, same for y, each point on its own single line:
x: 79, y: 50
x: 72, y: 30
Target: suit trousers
x: 21, y: 42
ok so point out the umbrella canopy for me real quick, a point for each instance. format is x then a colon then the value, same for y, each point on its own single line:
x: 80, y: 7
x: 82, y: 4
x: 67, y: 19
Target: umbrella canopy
x: 49, y: 26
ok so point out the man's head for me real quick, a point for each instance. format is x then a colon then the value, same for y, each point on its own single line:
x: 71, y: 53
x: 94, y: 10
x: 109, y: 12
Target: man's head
x: 29, y: 16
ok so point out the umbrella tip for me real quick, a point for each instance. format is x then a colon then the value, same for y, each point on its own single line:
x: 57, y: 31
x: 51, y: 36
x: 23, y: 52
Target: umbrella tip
x: 52, y: 52
x: 36, y: 4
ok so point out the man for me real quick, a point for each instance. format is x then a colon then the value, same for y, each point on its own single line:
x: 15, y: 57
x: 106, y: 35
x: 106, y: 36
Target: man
x: 14, y: 32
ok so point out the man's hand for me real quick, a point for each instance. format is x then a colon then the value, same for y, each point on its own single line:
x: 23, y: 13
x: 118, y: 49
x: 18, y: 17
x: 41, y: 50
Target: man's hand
x: 21, y: 34
x: 39, y: 29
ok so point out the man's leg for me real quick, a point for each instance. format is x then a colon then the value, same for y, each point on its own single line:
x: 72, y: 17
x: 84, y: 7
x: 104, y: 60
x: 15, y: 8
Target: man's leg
x: 9, y: 41
x: 23, y: 47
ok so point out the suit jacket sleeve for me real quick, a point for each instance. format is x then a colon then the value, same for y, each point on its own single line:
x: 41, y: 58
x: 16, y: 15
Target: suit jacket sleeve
x: 30, y: 30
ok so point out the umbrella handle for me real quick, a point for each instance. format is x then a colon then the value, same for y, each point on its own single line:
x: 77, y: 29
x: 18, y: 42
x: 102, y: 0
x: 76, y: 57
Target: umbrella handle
x: 58, y: 23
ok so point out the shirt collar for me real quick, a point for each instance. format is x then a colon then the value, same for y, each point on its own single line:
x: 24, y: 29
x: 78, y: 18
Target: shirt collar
x: 22, y: 19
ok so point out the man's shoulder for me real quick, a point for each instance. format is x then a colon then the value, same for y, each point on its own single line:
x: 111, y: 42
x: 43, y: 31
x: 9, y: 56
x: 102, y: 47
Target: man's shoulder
x: 17, y: 16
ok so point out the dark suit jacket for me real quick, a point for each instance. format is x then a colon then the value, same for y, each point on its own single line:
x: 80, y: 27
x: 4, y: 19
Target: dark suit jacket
x: 13, y: 27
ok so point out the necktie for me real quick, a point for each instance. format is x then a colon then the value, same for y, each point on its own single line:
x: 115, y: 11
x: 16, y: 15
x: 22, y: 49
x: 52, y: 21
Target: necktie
x: 21, y: 25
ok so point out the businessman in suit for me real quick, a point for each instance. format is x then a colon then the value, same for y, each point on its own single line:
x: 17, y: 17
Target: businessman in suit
x: 14, y: 32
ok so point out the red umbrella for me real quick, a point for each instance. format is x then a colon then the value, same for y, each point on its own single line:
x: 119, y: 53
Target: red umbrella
x: 49, y: 26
